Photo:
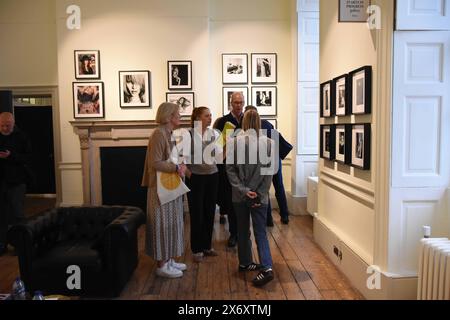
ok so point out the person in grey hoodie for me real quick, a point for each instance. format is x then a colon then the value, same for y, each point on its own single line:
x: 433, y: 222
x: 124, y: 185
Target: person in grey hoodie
x: 250, y: 175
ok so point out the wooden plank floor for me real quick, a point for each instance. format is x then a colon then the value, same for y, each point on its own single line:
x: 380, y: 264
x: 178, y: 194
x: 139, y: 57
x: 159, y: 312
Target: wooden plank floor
x: 302, y: 271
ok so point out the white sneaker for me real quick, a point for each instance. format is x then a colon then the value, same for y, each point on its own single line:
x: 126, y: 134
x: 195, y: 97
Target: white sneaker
x: 177, y: 265
x: 166, y: 271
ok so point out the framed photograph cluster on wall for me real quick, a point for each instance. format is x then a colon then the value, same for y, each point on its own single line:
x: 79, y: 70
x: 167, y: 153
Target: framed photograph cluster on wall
x: 88, y: 96
x: 347, y: 94
x: 179, y: 77
x: 348, y: 144
x: 235, y: 71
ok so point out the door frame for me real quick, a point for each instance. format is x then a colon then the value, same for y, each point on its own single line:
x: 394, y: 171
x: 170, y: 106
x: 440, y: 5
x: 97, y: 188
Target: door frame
x: 53, y: 92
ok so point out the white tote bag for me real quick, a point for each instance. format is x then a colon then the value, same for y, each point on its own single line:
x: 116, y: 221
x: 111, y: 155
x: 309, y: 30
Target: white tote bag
x: 169, y: 186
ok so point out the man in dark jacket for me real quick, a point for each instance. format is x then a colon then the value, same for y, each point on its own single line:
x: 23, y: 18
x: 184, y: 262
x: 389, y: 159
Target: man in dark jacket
x: 225, y: 201
x: 15, y: 151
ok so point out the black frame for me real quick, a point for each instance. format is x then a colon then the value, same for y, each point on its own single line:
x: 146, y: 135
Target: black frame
x: 348, y: 92
x: 97, y: 63
x: 253, y: 71
x: 225, y: 112
x: 102, y: 100
x: 272, y: 119
x: 183, y: 93
x: 188, y: 86
x: 274, y: 100
x: 148, y: 89
x: 350, y: 21
x: 348, y: 143
x: 332, y: 100
x: 367, y: 89
x: 367, y: 146
x: 331, y: 142
x: 225, y: 55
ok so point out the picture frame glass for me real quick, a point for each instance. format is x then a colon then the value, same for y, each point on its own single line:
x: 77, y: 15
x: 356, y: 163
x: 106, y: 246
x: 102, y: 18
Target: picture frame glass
x: 341, y: 100
x: 326, y: 96
x: 185, y: 100
x: 179, y: 74
x: 135, y: 89
x: 234, y: 68
x: 326, y: 132
x: 358, y: 145
x: 228, y: 92
x: 87, y: 64
x: 358, y: 92
x: 264, y: 68
x: 340, y: 143
x: 88, y: 100
x: 265, y: 100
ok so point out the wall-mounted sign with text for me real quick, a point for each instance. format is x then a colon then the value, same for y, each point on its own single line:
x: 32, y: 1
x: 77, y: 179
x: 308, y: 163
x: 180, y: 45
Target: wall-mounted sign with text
x: 353, y: 10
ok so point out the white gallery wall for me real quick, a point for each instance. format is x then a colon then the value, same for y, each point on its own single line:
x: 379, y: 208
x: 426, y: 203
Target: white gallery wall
x: 28, y: 43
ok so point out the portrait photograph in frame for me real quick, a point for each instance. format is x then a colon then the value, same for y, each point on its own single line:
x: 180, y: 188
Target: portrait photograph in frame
x: 327, y: 145
x: 135, y: 89
x: 360, y: 86
x: 264, y: 68
x: 265, y: 100
x: 343, y: 143
x: 341, y: 96
x: 234, y: 68
x: 88, y: 100
x: 326, y: 100
x: 360, y: 157
x: 184, y: 99
x: 179, y: 75
x: 87, y: 64
x: 226, y: 97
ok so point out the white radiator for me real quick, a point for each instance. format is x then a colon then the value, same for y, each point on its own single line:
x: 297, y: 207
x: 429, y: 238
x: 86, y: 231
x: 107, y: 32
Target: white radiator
x: 434, y: 269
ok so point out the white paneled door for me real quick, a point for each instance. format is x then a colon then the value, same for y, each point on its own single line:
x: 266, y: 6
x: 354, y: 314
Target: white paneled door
x: 423, y: 15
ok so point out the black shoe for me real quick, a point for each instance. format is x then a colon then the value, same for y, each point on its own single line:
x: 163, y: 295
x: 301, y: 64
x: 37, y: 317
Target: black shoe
x: 263, y: 278
x: 270, y: 223
x: 285, y: 220
x: 222, y: 219
x: 232, y: 241
x: 2, y: 249
x: 251, y: 267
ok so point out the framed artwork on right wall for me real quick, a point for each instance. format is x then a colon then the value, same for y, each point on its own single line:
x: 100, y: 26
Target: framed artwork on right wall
x: 326, y: 100
x: 360, y: 86
x: 327, y: 146
x: 361, y: 146
x: 264, y: 68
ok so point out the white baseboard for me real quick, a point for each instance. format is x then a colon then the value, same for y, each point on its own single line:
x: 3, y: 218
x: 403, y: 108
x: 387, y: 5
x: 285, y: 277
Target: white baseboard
x: 355, y: 269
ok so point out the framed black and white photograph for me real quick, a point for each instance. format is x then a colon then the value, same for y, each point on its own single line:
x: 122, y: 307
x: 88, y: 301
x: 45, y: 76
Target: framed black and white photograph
x: 326, y: 100
x: 327, y: 146
x: 361, y: 146
x: 184, y: 99
x: 273, y: 122
x: 361, y: 90
x: 135, y: 89
x: 179, y: 75
x: 87, y: 64
x: 343, y: 143
x: 264, y: 68
x: 228, y: 92
x: 234, y: 68
x: 341, y: 96
x: 88, y: 100
x: 265, y: 100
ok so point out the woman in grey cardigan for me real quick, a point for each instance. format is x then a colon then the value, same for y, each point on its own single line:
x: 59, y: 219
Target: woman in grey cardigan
x: 250, y: 176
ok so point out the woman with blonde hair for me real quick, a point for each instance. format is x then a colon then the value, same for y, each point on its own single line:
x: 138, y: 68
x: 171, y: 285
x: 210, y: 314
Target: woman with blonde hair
x: 165, y: 225
x: 250, y: 181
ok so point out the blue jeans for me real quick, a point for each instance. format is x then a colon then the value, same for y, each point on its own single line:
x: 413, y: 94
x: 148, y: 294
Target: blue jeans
x: 280, y: 194
x: 259, y: 216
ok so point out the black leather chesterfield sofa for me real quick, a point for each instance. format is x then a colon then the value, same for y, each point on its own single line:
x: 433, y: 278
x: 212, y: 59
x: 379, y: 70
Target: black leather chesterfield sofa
x: 101, y: 241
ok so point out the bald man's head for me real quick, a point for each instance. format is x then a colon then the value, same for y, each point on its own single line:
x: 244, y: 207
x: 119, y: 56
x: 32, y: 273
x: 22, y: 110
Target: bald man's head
x: 6, y: 123
x: 237, y: 103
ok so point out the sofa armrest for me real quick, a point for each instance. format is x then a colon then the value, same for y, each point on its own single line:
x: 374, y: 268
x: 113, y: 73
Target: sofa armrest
x: 130, y: 220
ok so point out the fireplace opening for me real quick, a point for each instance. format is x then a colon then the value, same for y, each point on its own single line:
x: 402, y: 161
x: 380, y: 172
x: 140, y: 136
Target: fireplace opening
x: 121, y: 176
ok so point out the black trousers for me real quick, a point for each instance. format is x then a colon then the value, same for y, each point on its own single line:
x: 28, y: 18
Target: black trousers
x: 12, y: 199
x: 226, y: 203
x: 202, y: 208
